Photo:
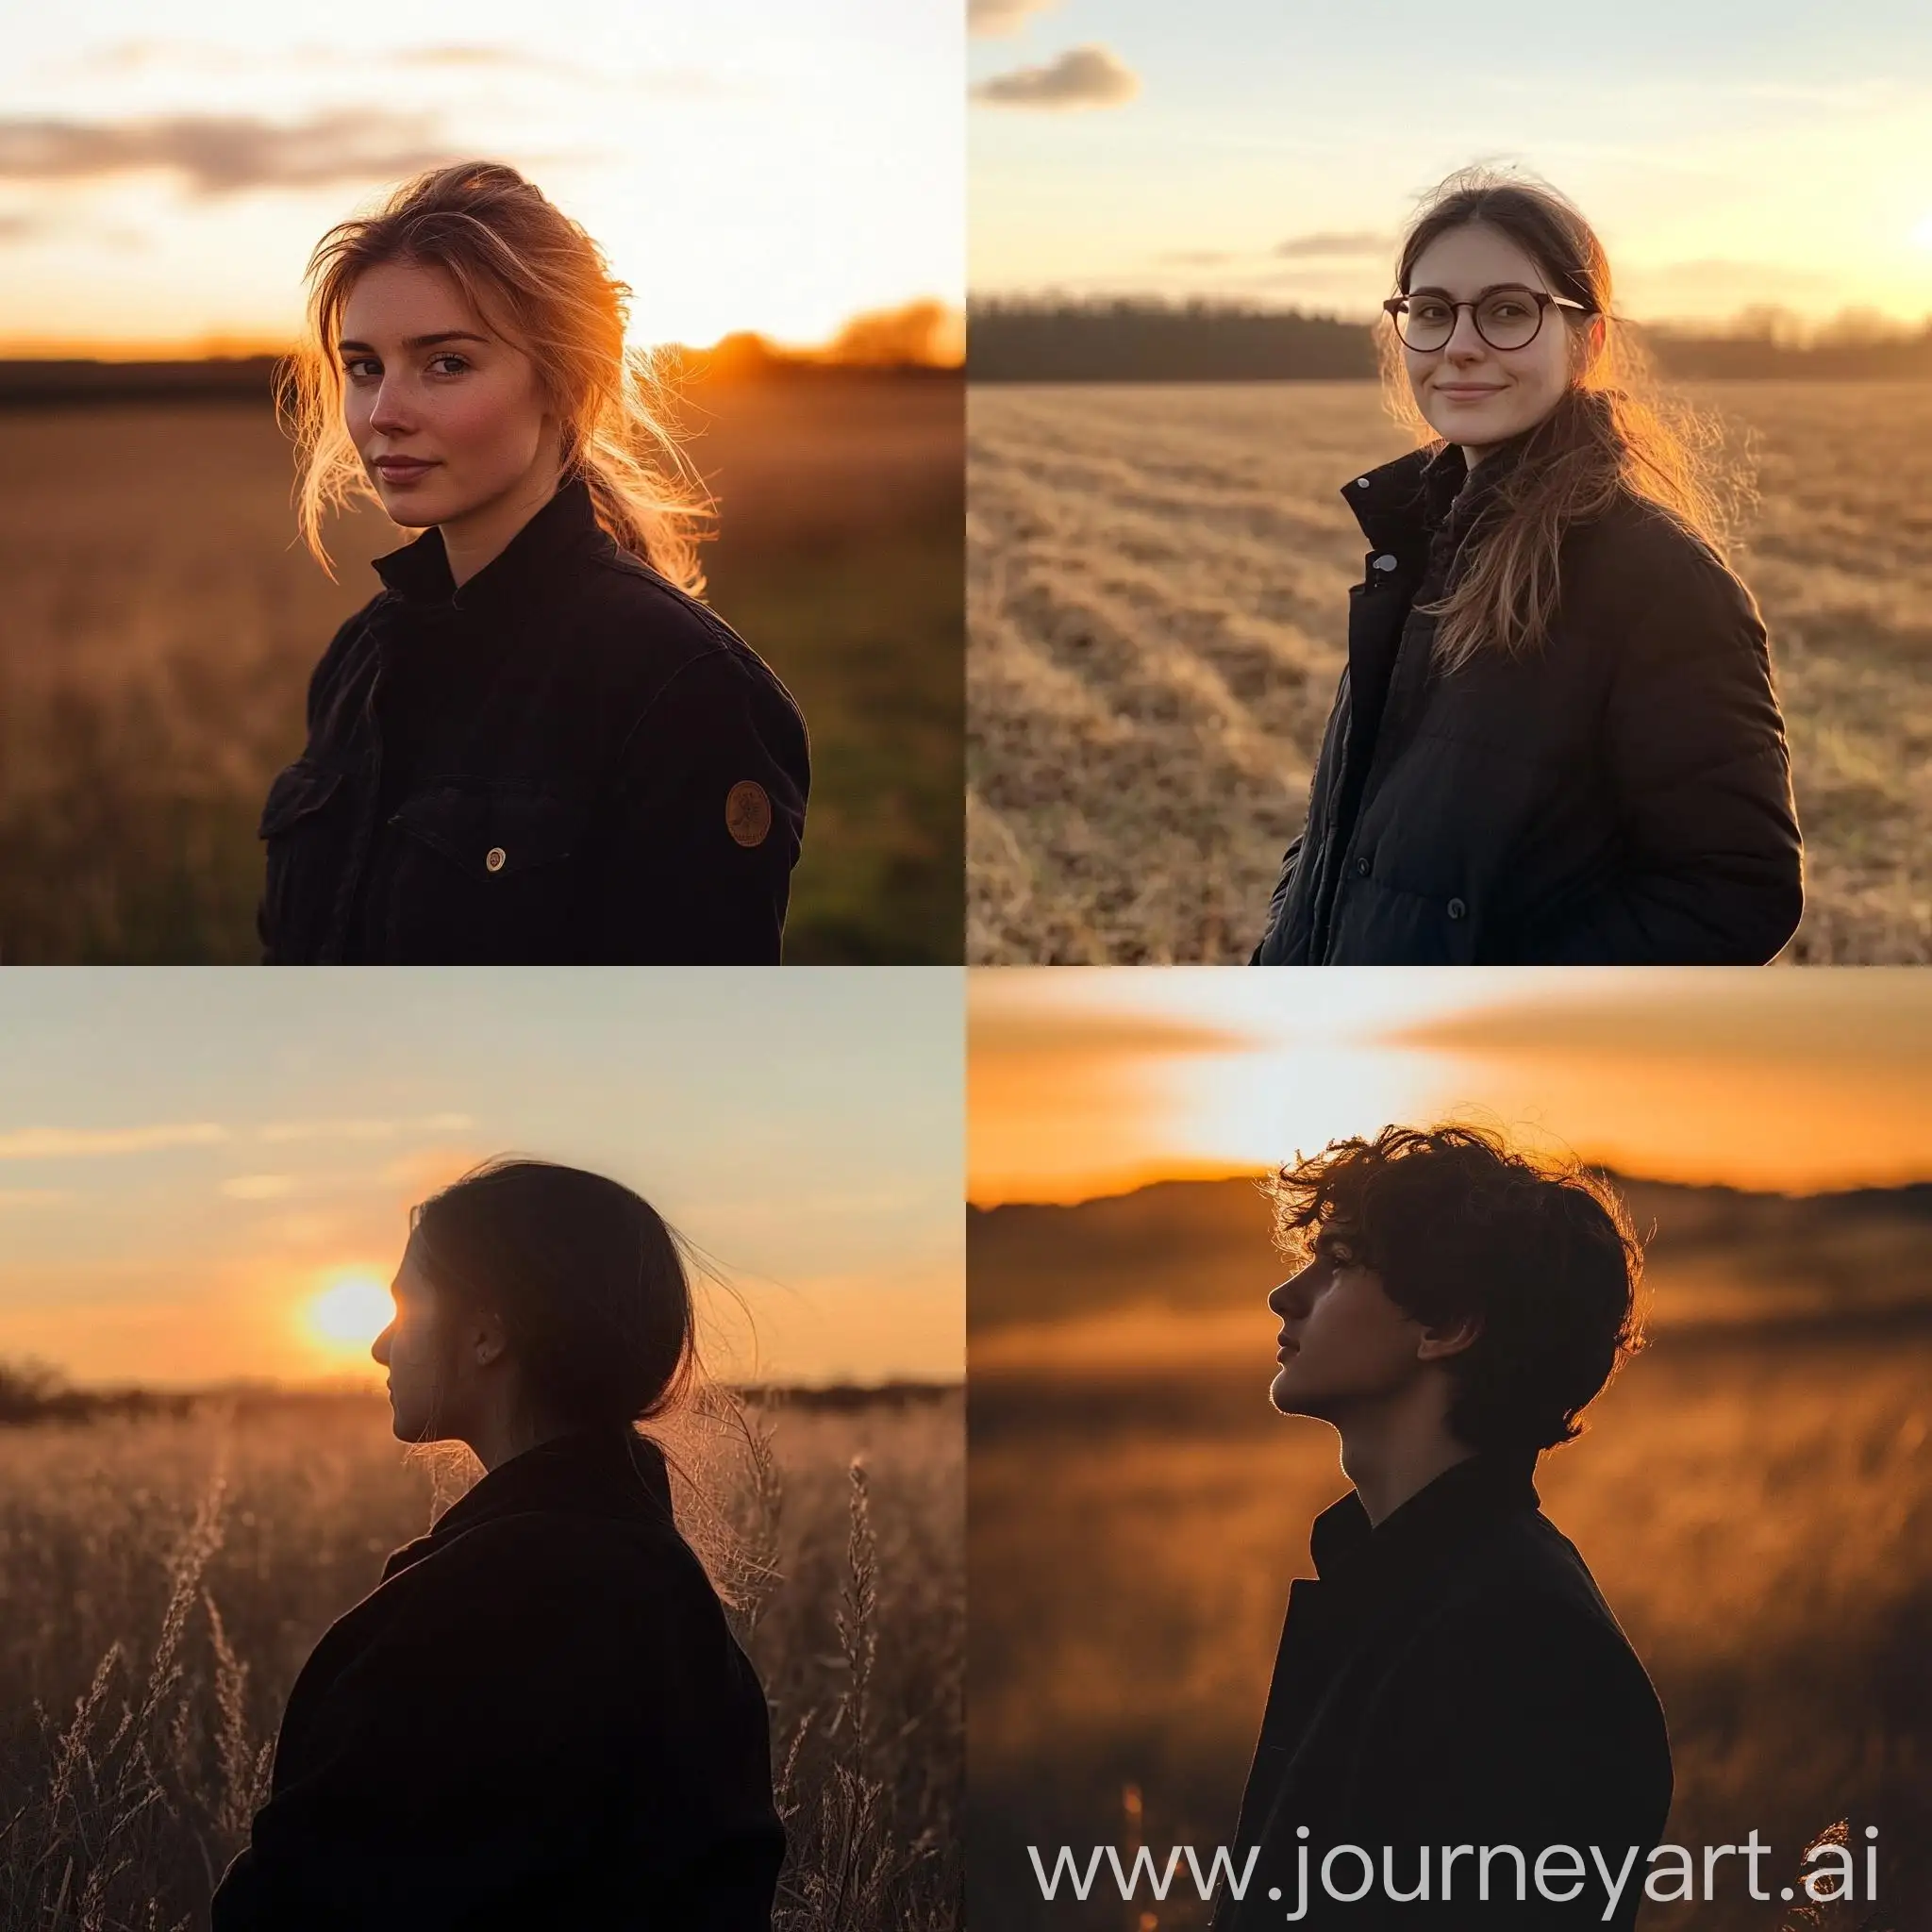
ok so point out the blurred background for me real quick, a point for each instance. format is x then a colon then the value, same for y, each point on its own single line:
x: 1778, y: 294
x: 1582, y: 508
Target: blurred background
x: 1183, y: 226
x: 164, y: 171
x: 1752, y: 1493
x: 204, y: 1184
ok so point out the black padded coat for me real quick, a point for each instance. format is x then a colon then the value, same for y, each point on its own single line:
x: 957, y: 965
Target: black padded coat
x: 1622, y: 796
x: 564, y: 760
x: 1450, y: 1676
x: 538, y: 1719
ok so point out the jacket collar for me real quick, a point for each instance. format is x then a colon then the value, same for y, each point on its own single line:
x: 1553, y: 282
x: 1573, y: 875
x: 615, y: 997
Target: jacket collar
x: 1442, y: 1516
x: 419, y: 572
x: 1419, y: 492
x: 612, y: 1472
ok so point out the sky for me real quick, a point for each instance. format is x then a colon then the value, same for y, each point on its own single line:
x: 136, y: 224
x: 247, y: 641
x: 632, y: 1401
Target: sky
x: 206, y: 1173
x: 1777, y: 154
x: 1089, y: 1082
x: 165, y: 167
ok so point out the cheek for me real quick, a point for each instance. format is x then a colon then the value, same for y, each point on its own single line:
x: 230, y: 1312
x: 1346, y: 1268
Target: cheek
x: 497, y: 420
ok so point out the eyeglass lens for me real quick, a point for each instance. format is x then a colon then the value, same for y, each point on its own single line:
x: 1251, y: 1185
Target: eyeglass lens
x: 1504, y: 318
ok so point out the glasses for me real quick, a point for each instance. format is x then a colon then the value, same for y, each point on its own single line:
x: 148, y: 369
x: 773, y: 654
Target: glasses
x: 1507, y: 318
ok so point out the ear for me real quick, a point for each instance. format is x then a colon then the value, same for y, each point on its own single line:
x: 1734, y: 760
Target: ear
x: 1450, y: 1337
x: 484, y: 1340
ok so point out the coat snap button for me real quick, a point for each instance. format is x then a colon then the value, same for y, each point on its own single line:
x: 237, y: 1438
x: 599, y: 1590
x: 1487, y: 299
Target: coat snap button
x: 1456, y: 908
x: 1385, y: 563
x: 1362, y: 868
x: 1361, y: 482
x: 494, y: 857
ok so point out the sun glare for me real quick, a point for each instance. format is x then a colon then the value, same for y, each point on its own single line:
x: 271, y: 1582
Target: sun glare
x: 350, y: 1312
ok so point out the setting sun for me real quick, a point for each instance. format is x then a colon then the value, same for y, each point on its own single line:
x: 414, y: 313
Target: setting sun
x: 350, y: 1312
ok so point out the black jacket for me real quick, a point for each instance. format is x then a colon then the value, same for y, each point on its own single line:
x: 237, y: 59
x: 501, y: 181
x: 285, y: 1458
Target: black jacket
x: 1622, y: 796
x: 566, y: 760
x: 1451, y: 1677
x: 538, y: 1719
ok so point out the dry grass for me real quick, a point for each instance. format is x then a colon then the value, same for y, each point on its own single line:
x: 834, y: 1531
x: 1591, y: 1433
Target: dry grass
x: 1758, y: 1511
x: 161, y: 626
x: 161, y: 1582
x: 1157, y: 587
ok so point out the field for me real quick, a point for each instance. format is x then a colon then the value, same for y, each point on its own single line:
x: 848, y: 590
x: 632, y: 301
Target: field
x: 1156, y: 587
x: 1754, y: 1499
x: 162, y: 627
x: 184, y: 1569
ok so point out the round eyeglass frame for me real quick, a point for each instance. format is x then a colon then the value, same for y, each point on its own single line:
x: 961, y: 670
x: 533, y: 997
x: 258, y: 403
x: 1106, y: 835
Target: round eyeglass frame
x: 1544, y: 301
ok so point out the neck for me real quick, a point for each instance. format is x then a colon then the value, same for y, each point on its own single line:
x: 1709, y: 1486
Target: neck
x: 1473, y: 454
x: 480, y: 536
x: 1389, y: 1456
x: 497, y: 1438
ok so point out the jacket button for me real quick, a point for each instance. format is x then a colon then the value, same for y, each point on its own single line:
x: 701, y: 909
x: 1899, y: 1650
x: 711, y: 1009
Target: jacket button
x: 1456, y: 908
x: 1361, y: 482
x: 1385, y: 563
x: 1362, y: 868
x: 494, y: 857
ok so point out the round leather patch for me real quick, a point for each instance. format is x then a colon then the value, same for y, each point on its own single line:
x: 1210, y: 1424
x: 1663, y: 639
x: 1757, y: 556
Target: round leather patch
x: 747, y: 812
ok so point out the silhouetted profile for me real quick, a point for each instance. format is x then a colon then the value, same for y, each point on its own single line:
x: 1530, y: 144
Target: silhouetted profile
x: 539, y: 1718
x: 1451, y: 1677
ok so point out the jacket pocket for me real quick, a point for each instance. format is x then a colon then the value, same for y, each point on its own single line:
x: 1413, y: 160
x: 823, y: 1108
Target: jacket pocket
x: 303, y: 828
x: 493, y: 833
x: 299, y: 789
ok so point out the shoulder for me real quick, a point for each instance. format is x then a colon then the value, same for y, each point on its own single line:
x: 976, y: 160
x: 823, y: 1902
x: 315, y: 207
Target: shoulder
x: 1636, y: 554
x: 640, y: 629
x: 353, y: 643
x: 1526, y: 1602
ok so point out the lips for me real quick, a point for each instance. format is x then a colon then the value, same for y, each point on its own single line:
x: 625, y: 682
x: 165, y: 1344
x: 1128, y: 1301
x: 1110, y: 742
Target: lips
x: 401, y: 469
x: 1468, y: 392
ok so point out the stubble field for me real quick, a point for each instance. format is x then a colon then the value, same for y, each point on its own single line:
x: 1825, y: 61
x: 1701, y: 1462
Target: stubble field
x: 1158, y: 584
x: 162, y: 623
x: 161, y: 1582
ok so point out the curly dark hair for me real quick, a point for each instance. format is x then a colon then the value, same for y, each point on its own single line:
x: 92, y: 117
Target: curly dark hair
x: 1457, y: 1223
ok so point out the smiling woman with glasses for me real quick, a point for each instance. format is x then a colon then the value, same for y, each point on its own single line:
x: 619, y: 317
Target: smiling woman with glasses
x: 1557, y: 738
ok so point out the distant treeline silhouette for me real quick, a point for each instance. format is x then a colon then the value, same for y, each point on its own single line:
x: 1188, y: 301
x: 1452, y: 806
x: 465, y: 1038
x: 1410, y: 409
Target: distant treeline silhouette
x: 1140, y: 339
x: 31, y: 1391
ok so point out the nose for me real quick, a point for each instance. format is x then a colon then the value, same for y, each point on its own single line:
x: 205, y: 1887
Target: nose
x: 390, y: 414
x: 379, y: 1347
x: 1465, y: 343
x: 1291, y: 1297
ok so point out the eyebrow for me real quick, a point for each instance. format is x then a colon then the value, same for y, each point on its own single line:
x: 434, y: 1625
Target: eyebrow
x: 448, y: 335
x: 1481, y: 294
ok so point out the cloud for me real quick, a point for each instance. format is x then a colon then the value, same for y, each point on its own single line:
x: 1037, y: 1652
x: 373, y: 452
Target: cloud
x: 66, y: 1143
x: 1355, y: 244
x: 224, y: 154
x: 1200, y: 257
x: 992, y: 19
x: 347, y: 1130
x: 258, y: 1187
x: 1081, y: 77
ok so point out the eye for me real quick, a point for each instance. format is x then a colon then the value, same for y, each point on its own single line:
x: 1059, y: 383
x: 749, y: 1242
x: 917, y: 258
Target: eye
x: 1432, y: 314
x: 361, y: 368
x: 448, y: 355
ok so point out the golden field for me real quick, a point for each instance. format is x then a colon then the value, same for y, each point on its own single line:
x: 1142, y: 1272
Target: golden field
x: 162, y: 623
x: 1157, y: 583
x: 1752, y: 1495
x: 162, y: 1580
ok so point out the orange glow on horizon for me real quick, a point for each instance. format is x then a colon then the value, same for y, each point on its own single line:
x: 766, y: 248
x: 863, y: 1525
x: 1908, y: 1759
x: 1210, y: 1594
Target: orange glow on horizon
x: 1804, y: 1085
x: 926, y: 333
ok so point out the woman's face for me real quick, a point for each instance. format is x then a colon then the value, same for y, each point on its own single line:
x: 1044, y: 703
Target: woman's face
x: 1469, y: 392
x: 423, y: 1350
x: 447, y: 416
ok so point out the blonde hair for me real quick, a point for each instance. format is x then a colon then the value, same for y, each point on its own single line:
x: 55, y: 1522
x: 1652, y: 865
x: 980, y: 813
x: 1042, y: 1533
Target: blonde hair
x: 1611, y: 435
x: 530, y: 269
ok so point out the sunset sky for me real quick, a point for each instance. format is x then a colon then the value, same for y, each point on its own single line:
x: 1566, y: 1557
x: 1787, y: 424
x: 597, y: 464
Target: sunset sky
x: 206, y: 1173
x: 165, y: 168
x: 1780, y: 153
x: 1087, y: 1082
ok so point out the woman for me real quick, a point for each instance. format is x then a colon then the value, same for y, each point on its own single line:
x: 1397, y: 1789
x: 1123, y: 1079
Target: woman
x: 539, y: 1717
x: 1556, y: 739
x: 534, y: 745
